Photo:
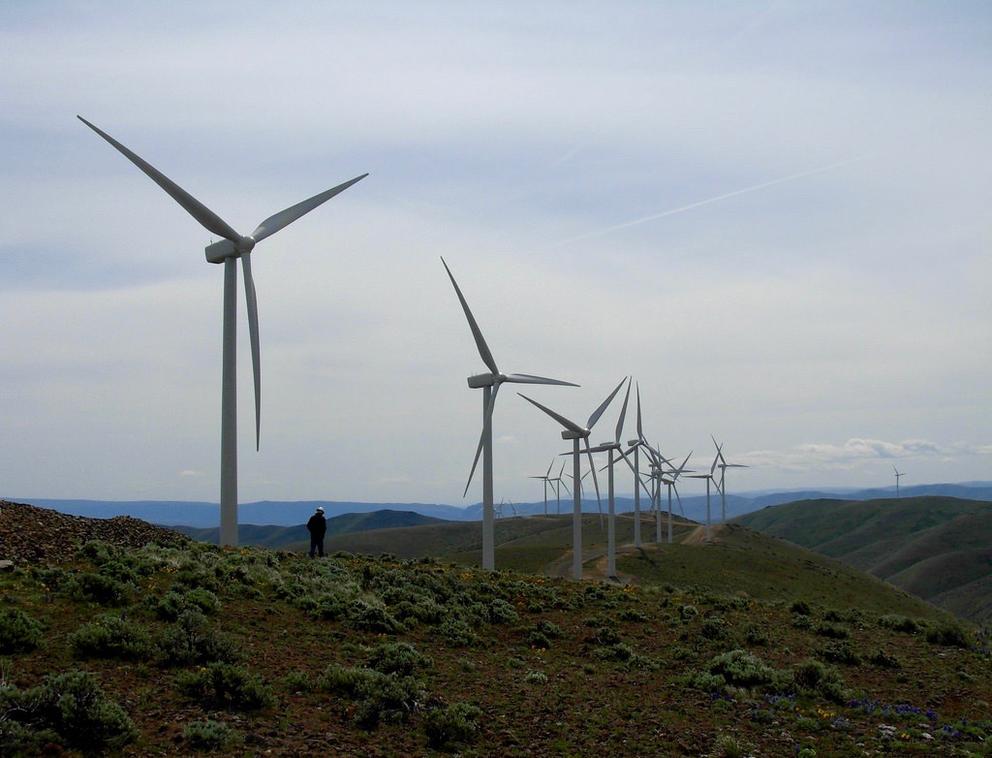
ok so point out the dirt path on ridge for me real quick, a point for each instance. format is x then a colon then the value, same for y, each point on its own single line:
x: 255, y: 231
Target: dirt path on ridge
x: 698, y: 535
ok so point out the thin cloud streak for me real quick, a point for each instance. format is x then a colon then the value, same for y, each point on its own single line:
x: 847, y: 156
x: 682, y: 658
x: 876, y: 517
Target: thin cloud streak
x: 708, y: 201
x: 856, y: 452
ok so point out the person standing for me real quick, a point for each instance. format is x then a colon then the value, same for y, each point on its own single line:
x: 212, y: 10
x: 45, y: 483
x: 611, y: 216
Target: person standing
x: 317, y: 526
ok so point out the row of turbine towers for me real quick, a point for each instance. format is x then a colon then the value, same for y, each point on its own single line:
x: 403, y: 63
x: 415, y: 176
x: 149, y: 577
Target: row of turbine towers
x: 662, y: 470
x: 235, y: 246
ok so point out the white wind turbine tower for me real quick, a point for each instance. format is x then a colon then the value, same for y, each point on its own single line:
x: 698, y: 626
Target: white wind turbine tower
x: 899, y: 476
x: 546, y: 478
x: 669, y: 483
x: 232, y: 247
x: 723, y: 466
x: 709, y: 478
x: 490, y: 384
x: 609, y: 448
x: 574, y: 432
x: 636, y: 445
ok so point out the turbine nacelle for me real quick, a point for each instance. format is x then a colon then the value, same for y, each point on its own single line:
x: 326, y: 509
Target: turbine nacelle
x: 218, y: 252
x: 568, y: 434
x: 478, y: 381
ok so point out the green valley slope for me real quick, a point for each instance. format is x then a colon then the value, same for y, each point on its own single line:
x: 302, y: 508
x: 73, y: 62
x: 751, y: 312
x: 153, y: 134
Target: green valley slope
x: 937, y: 548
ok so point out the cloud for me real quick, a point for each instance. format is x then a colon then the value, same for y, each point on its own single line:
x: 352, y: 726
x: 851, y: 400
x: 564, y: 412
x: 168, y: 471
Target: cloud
x: 855, y: 452
x: 190, y: 472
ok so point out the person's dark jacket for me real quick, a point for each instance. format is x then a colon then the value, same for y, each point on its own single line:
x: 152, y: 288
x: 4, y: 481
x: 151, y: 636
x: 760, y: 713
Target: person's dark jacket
x: 317, y: 525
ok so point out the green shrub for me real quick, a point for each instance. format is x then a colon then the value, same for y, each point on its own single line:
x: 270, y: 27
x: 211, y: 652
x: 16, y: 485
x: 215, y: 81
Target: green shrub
x: 97, y: 551
x: 399, y: 658
x: 899, y: 623
x: 210, y: 735
x: 813, y: 676
x: 451, y: 725
x: 456, y: 632
x: 605, y: 635
x: 379, y: 696
x: 548, y: 628
x: 801, y: 607
x: 831, y: 630
x: 539, y: 640
x: 191, y: 639
x: 111, y: 637
x: 501, y: 612
x: 840, y: 652
x: 632, y: 614
x: 299, y: 681
x: 951, y: 634
x: 616, y: 652
x: 224, y: 685
x: 536, y: 677
x: 68, y: 708
x: 99, y: 589
x: 688, y: 612
x: 883, y: 660
x: 741, y: 668
x: 372, y: 618
x: 756, y: 636
x: 173, y: 603
x: 713, y: 629
x: 802, y: 622
x: 19, y: 632
x: 728, y: 746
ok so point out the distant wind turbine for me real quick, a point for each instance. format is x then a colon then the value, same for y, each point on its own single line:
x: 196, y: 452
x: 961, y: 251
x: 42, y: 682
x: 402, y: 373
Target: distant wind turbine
x: 575, y: 432
x: 709, y: 478
x: 723, y: 466
x: 232, y: 247
x: 899, y: 475
x: 546, y: 478
x: 559, y: 483
x: 490, y: 384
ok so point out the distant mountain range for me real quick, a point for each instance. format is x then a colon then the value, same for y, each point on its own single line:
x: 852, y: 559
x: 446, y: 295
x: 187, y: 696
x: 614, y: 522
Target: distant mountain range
x: 288, y: 513
x: 938, y: 548
x: 275, y: 536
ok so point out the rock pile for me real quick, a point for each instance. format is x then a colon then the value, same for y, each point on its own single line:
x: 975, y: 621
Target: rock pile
x: 34, y: 535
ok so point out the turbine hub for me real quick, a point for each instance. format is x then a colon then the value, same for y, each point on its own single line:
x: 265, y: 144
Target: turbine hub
x: 246, y: 245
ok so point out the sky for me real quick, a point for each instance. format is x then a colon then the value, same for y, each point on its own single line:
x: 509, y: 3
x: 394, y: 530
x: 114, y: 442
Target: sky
x: 773, y: 215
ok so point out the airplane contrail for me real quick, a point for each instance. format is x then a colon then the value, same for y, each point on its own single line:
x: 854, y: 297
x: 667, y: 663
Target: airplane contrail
x: 707, y: 201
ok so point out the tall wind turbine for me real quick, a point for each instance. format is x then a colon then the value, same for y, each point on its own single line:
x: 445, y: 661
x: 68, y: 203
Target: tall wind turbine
x: 899, y: 476
x: 489, y: 383
x: 636, y: 446
x: 723, y: 466
x: 669, y: 483
x: 709, y: 478
x: 575, y: 432
x: 232, y: 247
x: 546, y: 478
x: 609, y: 448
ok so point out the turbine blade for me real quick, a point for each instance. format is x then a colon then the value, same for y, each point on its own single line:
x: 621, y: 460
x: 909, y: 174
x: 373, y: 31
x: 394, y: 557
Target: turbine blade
x: 256, y: 367
x: 570, y: 425
x: 478, y: 452
x: 623, y: 413
x: 531, y: 379
x: 284, y: 218
x: 480, y: 341
x: 595, y: 480
x: 719, y: 449
x: 640, y: 428
x: 603, y: 406
x: 549, y: 468
x: 207, y: 218
x: 562, y: 470
x: 679, y: 498
x: 492, y: 401
x: 562, y: 482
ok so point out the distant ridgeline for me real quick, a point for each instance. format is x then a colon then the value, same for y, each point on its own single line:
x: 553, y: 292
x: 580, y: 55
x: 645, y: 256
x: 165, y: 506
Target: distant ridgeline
x: 288, y: 513
x: 938, y: 548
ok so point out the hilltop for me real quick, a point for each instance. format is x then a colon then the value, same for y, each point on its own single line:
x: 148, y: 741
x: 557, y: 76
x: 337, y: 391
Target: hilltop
x: 938, y: 548
x: 295, y: 537
x: 174, y: 649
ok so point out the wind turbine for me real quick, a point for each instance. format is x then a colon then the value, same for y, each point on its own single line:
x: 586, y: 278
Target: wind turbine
x: 723, y: 466
x: 490, y: 384
x: 709, y: 478
x: 574, y: 432
x: 227, y: 251
x: 559, y: 483
x: 546, y: 478
x: 669, y: 483
x: 609, y: 448
x: 899, y: 475
x: 635, y: 445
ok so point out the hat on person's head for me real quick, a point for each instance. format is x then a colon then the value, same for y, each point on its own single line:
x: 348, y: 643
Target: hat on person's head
x: 319, y: 509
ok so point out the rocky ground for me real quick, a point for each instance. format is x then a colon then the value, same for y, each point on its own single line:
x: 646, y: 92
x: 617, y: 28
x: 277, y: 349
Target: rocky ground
x: 31, y: 535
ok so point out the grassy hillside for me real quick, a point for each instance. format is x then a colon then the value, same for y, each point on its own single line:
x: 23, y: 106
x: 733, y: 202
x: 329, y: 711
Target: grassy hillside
x: 176, y: 650
x: 939, y: 548
x: 293, y: 536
